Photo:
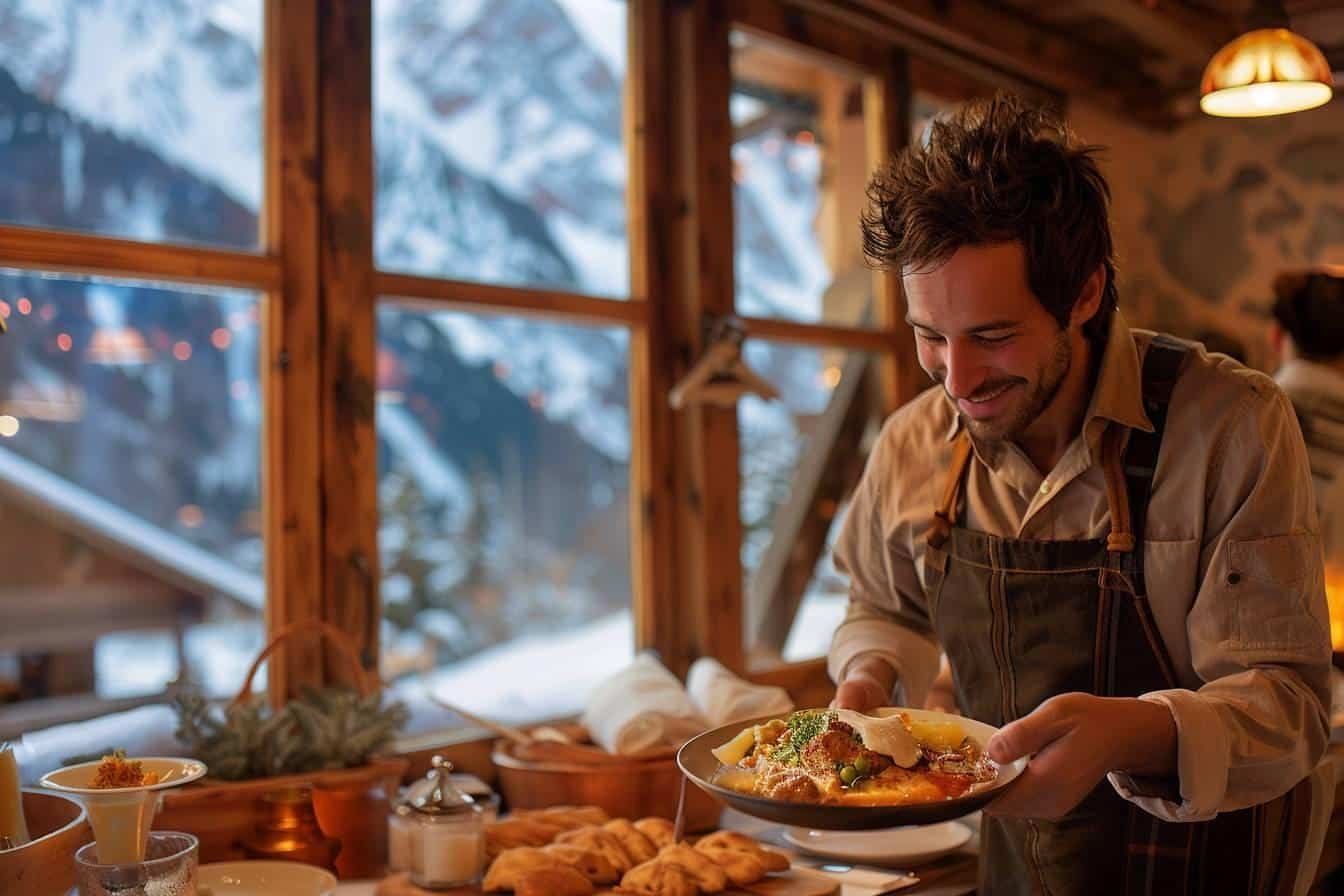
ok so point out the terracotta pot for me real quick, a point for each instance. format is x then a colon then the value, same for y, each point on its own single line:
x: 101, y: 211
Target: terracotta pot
x: 625, y: 788
x: 46, y: 865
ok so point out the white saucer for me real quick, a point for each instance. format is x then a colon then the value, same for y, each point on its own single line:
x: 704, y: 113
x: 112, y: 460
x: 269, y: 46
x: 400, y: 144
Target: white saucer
x: 264, y: 879
x: 903, y: 846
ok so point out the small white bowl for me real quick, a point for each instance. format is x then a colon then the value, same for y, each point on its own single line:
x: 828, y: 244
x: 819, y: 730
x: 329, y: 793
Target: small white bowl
x: 172, y: 771
x: 263, y: 879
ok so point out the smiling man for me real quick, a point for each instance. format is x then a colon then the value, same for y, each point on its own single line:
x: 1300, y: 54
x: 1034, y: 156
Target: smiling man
x: 1108, y: 531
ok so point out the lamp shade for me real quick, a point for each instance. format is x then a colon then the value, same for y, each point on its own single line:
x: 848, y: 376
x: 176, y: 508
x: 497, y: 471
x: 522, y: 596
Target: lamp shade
x: 1271, y: 71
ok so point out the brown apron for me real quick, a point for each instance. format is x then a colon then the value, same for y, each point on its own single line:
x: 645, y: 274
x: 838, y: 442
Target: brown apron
x: 1022, y: 621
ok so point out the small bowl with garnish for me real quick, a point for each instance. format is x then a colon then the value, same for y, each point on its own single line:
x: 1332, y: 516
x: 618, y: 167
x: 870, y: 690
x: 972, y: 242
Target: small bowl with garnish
x: 121, y: 795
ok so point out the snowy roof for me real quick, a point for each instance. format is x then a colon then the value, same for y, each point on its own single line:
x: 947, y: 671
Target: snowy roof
x: 140, y: 543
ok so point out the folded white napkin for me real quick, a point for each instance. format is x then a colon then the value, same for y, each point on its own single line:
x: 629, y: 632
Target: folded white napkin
x: 641, y: 709
x: 722, y: 697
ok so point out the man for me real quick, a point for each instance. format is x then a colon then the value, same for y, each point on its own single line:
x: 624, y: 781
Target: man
x: 1308, y: 334
x: 1109, y: 532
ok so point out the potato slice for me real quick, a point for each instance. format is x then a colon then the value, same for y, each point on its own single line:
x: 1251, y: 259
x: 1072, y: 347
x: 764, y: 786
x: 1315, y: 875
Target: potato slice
x: 937, y: 735
x: 736, y: 749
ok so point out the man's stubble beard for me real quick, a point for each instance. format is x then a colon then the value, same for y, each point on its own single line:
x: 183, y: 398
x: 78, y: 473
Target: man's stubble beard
x: 1047, y: 387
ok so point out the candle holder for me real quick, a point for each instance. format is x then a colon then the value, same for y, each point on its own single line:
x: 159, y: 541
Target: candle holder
x: 290, y: 831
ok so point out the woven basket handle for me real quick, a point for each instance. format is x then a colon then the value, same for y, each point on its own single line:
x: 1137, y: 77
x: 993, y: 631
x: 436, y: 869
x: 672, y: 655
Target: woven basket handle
x: 367, y: 682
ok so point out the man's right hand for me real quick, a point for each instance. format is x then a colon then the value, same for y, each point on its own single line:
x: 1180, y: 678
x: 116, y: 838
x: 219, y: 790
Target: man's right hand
x: 867, y: 684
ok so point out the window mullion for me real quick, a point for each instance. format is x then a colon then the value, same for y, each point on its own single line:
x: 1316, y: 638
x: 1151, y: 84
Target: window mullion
x: 290, y: 356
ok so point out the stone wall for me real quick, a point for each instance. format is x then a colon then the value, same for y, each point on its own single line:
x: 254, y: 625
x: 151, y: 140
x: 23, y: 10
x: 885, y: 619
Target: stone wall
x: 1205, y: 216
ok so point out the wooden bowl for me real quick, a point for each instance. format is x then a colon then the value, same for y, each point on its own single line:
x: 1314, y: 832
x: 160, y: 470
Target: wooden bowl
x: 46, y: 865
x: 625, y: 788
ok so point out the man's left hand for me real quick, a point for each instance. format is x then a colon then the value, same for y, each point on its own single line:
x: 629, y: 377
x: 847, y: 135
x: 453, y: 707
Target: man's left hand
x: 1076, y: 739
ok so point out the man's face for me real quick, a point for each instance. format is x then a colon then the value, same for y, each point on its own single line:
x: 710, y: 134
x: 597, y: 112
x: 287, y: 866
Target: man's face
x: 982, y: 334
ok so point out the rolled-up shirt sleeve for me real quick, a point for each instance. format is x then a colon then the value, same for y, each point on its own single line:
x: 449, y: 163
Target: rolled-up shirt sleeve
x: 1258, y: 628
x: 886, y: 615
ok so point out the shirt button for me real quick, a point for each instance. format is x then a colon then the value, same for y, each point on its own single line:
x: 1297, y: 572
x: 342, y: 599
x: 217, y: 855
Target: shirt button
x: 1045, y: 488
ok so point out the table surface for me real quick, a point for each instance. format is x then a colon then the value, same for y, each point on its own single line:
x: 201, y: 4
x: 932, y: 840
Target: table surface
x: 953, y: 875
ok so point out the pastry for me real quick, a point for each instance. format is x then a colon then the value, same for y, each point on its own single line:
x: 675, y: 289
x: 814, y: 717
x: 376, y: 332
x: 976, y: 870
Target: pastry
x: 640, y: 847
x: 561, y: 881
x: 659, y: 830
x: 658, y: 878
x: 594, y: 865
x: 709, y: 877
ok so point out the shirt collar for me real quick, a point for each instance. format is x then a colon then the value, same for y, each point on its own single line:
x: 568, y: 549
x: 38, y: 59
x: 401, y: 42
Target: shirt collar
x: 1118, y: 394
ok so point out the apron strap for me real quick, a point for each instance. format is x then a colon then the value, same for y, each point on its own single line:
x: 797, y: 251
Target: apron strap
x: 1133, y: 470
x: 944, y: 515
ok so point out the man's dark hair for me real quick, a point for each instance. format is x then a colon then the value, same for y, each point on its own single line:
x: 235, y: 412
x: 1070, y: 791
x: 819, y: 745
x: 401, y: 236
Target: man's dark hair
x: 997, y: 171
x: 1309, y: 305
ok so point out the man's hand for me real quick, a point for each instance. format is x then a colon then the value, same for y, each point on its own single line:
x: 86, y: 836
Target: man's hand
x: 1076, y: 739
x: 868, y: 684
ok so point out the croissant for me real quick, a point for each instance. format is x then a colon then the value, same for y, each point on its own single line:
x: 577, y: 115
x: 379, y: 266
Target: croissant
x: 738, y: 842
x: 601, y: 841
x: 594, y: 865
x: 511, y: 864
x: 709, y: 877
x: 561, y: 881
x: 658, y: 878
x: 742, y: 868
x: 640, y: 847
x: 659, y: 830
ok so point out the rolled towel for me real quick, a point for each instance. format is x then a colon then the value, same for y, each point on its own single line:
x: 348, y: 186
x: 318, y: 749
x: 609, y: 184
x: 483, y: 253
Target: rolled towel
x: 642, y: 709
x: 722, y: 697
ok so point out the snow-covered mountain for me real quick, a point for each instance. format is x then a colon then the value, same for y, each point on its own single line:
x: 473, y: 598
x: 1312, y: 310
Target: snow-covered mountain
x: 504, y: 444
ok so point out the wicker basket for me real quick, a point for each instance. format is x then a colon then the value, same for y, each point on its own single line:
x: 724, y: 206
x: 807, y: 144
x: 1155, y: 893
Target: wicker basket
x: 351, y: 803
x: 625, y: 788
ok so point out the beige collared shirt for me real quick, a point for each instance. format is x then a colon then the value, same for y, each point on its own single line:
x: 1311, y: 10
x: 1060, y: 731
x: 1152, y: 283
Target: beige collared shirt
x: 1231, y: 557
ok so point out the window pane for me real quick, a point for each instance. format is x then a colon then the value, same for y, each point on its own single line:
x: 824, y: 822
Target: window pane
x: 133, y: 121
x: 497, y: 131
x: 130, y: 524
x: 800, y: 458
x: 504, y: 450
x: 800, y: 168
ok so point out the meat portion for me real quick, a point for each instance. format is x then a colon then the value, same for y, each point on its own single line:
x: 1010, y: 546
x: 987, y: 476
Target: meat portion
x: 964, y: 761
x: 821, y: 754
x: 792, y: 784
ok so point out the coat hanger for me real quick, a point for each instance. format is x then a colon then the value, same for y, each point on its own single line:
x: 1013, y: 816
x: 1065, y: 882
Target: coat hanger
x: 720, y: 376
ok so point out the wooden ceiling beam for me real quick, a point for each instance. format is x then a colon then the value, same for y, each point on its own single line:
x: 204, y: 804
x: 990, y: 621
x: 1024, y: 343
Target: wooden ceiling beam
x: 999, y: 47
x: 1178, y: 32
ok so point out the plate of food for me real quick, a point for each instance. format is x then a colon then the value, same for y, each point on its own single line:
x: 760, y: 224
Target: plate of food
x: 894, y: 847
x: 813, y: 769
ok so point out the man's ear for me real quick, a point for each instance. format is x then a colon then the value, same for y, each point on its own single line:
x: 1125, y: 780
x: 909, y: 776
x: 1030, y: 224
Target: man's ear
x: 1089, y: 298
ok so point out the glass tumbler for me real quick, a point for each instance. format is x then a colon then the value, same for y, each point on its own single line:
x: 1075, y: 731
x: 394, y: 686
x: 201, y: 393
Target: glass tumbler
x: 169, y: 869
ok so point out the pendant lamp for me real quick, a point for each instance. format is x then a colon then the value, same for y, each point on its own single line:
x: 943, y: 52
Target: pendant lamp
x: 1270, y: 70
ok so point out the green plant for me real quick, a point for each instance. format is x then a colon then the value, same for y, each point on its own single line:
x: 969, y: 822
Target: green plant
x: 322, y: 729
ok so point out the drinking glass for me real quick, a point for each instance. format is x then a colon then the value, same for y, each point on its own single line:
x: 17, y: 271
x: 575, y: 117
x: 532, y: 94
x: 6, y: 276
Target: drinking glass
x: 169, y: 869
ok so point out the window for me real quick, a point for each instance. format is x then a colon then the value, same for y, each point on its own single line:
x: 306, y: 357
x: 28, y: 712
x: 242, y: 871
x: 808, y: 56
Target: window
x: 801, y: 456
x: 143, y: 123
x: 504, y: 441
x: 129, y: 488
x: 504, y: 449
x: 497, y: 131
x: 799, y: 171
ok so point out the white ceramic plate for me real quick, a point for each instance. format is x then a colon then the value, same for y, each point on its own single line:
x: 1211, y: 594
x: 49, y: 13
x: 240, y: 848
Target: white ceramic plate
x: 264, y: 879
x: 893, y: 847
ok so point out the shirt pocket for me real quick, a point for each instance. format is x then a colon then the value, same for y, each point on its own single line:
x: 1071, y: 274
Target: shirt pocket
x: 1270, y: 580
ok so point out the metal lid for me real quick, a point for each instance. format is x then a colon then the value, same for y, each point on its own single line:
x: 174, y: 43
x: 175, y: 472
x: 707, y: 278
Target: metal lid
x: 437, y: 795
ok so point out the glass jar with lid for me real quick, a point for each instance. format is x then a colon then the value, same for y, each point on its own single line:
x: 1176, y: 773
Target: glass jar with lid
x: 446, y: 830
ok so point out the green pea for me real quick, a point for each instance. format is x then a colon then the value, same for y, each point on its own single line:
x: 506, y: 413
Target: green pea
x: 849, y: 774
x: 862, y: 765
